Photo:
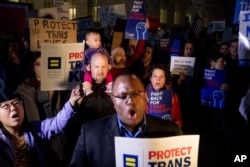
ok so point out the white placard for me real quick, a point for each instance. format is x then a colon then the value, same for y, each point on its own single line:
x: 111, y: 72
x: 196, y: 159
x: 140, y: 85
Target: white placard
x: 244, y: 39
x: 61, y: 66
x: 166, y: 151
x: 182, y: 64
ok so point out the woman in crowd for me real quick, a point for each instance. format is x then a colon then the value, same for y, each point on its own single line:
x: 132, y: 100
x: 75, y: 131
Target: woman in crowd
x: 40, y: 104
x: 163, y: 102
x: 22, y: 142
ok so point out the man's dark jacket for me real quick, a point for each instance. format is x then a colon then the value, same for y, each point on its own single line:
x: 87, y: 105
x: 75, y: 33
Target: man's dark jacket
x: 95, y: 145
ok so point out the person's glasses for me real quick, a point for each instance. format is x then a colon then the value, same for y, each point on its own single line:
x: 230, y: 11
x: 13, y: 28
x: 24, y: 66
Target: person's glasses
x: 15, y: 103
x: 125, y: 96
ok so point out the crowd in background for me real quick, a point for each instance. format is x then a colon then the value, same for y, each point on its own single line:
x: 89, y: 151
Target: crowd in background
x: 224, y: 132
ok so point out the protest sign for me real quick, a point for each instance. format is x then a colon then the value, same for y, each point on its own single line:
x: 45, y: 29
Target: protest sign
x: 215, y: 26
x: 51, y: 31
x: 109, y: 14
x: 61, y: 65
x: 62, y: 9
x: 211, y: 94
x: 244, y: 39
x: 159, y: 102
x: 175, y: 46
x: 240, y: 5
x: 167, y: 151
x: 48, y: 13
x: 135, y: 27
x: 182, y: 64
x: 83, y: 24
x: 117, y: 39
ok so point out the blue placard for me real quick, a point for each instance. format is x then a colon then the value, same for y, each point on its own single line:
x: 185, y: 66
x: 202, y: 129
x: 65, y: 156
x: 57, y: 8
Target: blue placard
x: 240, y: 5
x: 211, y: 94
x: 135, y: 27
x: 175, y: 46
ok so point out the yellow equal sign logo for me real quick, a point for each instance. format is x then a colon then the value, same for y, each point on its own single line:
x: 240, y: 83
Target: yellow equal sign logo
x: 54, y: 63
x: 130, y: 160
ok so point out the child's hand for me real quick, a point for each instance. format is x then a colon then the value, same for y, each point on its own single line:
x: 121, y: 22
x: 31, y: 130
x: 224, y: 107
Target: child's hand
x: 76, y: 96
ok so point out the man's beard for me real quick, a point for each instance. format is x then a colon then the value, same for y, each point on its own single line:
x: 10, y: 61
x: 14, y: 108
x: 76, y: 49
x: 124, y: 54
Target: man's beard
x: 120, y: 64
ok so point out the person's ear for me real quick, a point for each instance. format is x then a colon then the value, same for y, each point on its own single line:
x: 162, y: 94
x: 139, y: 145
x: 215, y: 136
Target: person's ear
x: 88, y: 67
x: 87, y: 42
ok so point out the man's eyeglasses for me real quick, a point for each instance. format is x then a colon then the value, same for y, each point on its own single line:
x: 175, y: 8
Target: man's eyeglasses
x: 15, y: 103
x: 125, y: 96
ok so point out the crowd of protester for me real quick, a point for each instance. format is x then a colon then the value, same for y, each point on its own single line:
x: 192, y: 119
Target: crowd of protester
x: 223, y: 131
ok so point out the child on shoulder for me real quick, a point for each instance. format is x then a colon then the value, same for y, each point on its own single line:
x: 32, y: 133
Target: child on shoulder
x: 93, y: 41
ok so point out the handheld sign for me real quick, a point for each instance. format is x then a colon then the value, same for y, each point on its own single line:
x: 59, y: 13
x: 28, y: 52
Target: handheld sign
x: 61, y: 66
x: 182, y: 64
x: 244, y: 39
x: 51, y: 32
x: 211, y: 94
x: 166, y: 151
x: 135, y: 27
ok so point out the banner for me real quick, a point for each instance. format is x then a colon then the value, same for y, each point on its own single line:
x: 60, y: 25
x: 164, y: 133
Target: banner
x: 240, y: 5
x: 61, y: 66
x: 181, y: 151
x: 135, y: 27
x: 211, y: 94
x: 182, y: 64
x: 244, y: 39
x: 109, y: 14
x: 51, y: 32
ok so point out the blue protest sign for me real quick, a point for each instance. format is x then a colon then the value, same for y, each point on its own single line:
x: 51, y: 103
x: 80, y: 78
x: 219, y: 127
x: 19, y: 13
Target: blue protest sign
x: 135, y: 27
x: 211, y: 94
x: 240, y: 5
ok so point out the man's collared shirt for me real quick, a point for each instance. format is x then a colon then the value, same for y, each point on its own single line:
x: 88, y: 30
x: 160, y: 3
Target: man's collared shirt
x: 125, y: 132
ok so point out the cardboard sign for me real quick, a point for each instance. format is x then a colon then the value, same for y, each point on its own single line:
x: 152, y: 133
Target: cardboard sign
x: 61, y: 66
x: 51, y: 31
x: 182, y: 64
x: 166, y: 151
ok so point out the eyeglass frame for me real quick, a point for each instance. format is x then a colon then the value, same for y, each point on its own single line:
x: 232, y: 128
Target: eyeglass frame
x: 125, y: 96
x: 15, y: 103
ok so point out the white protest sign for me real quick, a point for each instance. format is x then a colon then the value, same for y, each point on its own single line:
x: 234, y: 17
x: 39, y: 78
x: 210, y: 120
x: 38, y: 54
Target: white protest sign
x: 182, y: 64
x: 216, y: 26
x: 62, y: 9
x: 244, y: 39
x: 61, y: 65
x: 155, y: 152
